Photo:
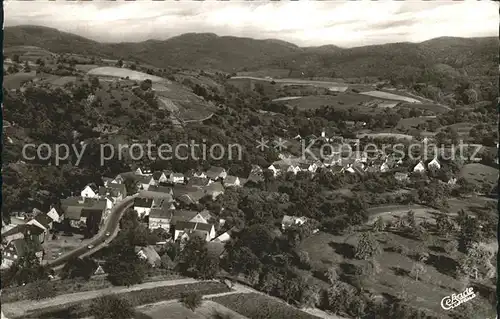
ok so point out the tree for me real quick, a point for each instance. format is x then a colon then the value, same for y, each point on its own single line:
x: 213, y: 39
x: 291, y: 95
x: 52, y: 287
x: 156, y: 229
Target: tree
x: 79, y: 268
x: 146, y: 85
x: 124, y: 267
x: 470, y: 232
x: 194, y: 260
x: 133, y: 66
x: 26, y: 67
x: 332, y: 275
x: 26, y: 268
x: 111, y: 307
x: 191, y: 300
x: 379, y: 225
x: 367, y: 247
x: 477, y: 262
x: 417, y: 269
x: 119, y: 63
x: 445, y: 226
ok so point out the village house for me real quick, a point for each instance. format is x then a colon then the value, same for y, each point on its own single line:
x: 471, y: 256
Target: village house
x: 115, y: 192
x: 199, y: 182
x: 185, y: 230
x: 160, y: 217
x: 90, y: 191
x: 17, y: 248
x: 177, y: 178
x: 332, y: 160
x: 288, y: 221
x: 337, y: 169
x: 77, y: 210
x: 434, y: 164
x: 54, y: 215
x: 419, y: 168
x: 232, y: 181
x: 143, y: 206
x: 148, y: 254
x: 107, y: 180
x: 162, y: 176
x: 274, y: 169
x: 214, y: 190
x: 161, y: 189
x: 144, y: 171
x: 215, y: 173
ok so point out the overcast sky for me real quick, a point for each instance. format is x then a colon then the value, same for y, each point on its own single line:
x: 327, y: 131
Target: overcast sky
x: 304, y: 23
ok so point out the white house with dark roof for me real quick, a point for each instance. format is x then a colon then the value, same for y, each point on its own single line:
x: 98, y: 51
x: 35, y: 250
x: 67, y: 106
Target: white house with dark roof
x: 184, y: 230
x: 144, y: 171
x: 90, y: 191
x: 288, y: 221
x: 54, y: 215
x: 143, y: 206
x: 434, y: 164
x: 177, y: 178
x: 419, y: 168
x: 215, y: 173
x: 274, y: 169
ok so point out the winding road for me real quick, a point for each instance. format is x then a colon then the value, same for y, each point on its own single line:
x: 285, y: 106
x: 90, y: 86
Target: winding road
x: 100, y: 240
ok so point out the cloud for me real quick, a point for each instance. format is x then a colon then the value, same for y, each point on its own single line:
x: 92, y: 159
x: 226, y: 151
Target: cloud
x: 305, y: 23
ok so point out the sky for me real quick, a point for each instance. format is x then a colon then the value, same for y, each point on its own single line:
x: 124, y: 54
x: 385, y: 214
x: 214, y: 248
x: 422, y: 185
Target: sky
x: 305, y: 23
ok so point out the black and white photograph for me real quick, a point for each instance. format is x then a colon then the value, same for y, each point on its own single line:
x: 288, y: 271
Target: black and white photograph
x: 250, y: 159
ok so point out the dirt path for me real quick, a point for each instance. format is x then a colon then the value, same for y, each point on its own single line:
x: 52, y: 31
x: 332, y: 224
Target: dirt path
x: 19, y: 308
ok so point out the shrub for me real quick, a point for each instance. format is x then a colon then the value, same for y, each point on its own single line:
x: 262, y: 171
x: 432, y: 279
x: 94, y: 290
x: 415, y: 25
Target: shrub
x: 191, y: 300
x: 111, y: 307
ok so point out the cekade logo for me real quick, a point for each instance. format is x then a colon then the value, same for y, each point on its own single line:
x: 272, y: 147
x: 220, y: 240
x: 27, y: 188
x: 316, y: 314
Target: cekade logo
x: 450, y: 302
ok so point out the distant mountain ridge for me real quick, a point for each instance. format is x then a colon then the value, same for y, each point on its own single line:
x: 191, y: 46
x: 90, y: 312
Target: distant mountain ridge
x: 229, y: 53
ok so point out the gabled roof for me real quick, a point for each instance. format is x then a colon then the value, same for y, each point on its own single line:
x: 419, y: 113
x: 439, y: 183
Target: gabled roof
x: 157, y: 175
x: 143, y: 202
x: 177, y: 175
x: 206, y: 214
x: 44, y: 220
x: 181, y: 225
x: 93, y: 187
x: 161, y: 189
x: 161, y: 213
x: 213, y: 188
x: 198, y: 182
x: 191, y: 198
x: 214, y: 172
x: 230, y: 179
x: 180, y: 190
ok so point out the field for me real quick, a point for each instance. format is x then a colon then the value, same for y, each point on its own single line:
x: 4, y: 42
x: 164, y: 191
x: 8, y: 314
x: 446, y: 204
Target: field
x: 27, y: 52
x: 479, y: 173
x: 411, y: 123
x: 388, y: 212
x: 340, y: 101
x: 393, y: 277
x: 15, y: 81
x: 61, y: 81
x: 175, y: 310
x: 257, y: 306
x: 136, y: 298
x: 385, y: 135
x: 86, y: 67
x: 436, y: 108
x: 390, y: 96
x: 462, y: 129
x: 108, y: 71
x: 274, y: 73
